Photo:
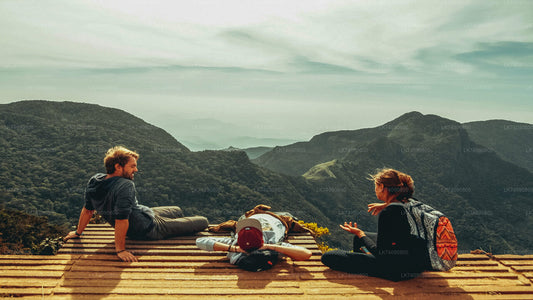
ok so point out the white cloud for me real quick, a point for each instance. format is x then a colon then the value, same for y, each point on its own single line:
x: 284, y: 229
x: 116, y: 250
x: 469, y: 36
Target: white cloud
x: 287, y: 61
x: 198, y: 33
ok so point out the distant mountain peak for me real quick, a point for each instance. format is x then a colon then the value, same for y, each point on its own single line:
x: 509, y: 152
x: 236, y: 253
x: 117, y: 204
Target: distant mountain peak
x: 83, y: 119
x: 412, y: 114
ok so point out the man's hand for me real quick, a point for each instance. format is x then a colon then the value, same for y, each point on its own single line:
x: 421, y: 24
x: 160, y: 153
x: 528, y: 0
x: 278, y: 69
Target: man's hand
x: 71, y: 235
x: 85, y: 217
x: 352, y: 228
x: 376, y: 208
x: 236, y: 248
x: 127, y: 256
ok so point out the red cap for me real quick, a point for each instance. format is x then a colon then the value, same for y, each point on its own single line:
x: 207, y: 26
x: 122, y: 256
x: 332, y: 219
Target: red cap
x: 250, y: 235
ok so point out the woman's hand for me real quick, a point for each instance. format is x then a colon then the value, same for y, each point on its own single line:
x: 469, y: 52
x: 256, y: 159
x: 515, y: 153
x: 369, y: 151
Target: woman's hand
x: 352, y: 228
x: 376, y: 208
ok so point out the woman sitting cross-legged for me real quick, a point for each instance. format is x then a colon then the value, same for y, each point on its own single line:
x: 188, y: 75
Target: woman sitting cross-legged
x: 395, y: 253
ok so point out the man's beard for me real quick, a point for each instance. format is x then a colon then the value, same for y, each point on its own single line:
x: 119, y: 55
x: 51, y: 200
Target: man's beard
x: 128, y: 176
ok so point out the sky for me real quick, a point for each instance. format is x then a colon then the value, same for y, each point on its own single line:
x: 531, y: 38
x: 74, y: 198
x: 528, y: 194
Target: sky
x: 262, y: 73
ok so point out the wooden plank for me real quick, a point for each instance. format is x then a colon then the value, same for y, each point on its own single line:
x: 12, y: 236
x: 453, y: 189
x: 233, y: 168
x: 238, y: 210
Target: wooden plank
x: 456, y: 270
x: 197, y: 267
x: 502, y: 297
x: 517, y: 262
x: 160, y: 297
x: 142, y: 283
x: 37, y: 268
x: 41, y: 257
x: 32, y: 273
x: 183, y: 258
x: 176, y: 291
x: 489, y: 268
x: 477, y: 263
x: 118, y: 276
x: 27, y: 282
x: 466, y: 256
x: 19, y: 292
x: 514, y: 257
x: 24, y: 262
x: 352, y: 291
x: 414, y: 290
x: 206, y: 270
x: 519, y: 289
x: 474, y: 263
x: 188, y: 269
x: 330, y: 274
x: 151, y: 264
x: 197, y: 252
x: 417, y: 282
x: 157, y: 258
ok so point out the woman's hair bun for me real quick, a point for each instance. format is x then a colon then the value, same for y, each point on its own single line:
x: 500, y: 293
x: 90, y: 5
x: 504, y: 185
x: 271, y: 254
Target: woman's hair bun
x: 396, y: 182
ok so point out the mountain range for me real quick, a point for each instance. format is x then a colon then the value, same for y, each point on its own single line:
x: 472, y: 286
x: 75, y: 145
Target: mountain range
x: 50, y: 149
x: 481, y: 183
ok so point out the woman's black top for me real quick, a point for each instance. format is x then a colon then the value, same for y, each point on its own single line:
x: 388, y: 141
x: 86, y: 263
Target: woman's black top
x: 396, y: 250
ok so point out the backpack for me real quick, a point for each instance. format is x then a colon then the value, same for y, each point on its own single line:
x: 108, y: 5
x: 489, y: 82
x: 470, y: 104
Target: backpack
x: 258, y: 260
x: 434, y: 227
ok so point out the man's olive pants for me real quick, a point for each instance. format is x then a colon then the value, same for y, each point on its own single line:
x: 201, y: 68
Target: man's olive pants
x: 170, y: 221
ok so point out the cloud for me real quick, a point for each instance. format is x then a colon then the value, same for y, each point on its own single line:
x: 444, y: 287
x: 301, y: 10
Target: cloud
x: 255, y: 35
x: 309, y: 65
x: 508, y: 57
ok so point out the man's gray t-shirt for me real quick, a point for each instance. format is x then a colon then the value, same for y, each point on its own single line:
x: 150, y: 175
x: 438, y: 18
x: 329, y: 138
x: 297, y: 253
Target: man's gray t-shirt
x: 114, y: 199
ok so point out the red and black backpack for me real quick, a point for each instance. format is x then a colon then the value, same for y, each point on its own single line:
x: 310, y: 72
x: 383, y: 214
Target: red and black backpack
x: 434, y: 227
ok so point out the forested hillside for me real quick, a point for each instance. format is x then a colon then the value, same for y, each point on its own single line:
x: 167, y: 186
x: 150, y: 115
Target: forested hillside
x: 51, y: 149
x: 510, y: 140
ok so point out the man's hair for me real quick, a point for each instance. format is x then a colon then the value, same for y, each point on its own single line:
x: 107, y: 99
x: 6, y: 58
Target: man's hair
x: 118, y: 155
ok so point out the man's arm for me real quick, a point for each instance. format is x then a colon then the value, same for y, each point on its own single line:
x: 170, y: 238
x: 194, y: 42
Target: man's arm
x: 214, y: 243
x: 296, y: 253
x: 121, y: 228
x: 85, y: 217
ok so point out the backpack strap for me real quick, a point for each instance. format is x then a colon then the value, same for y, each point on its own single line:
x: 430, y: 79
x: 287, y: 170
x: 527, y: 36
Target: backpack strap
x: 409, y: 214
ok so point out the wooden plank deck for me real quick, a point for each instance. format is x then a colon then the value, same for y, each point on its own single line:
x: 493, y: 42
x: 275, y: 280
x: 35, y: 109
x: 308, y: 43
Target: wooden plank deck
x: 88, y: 269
